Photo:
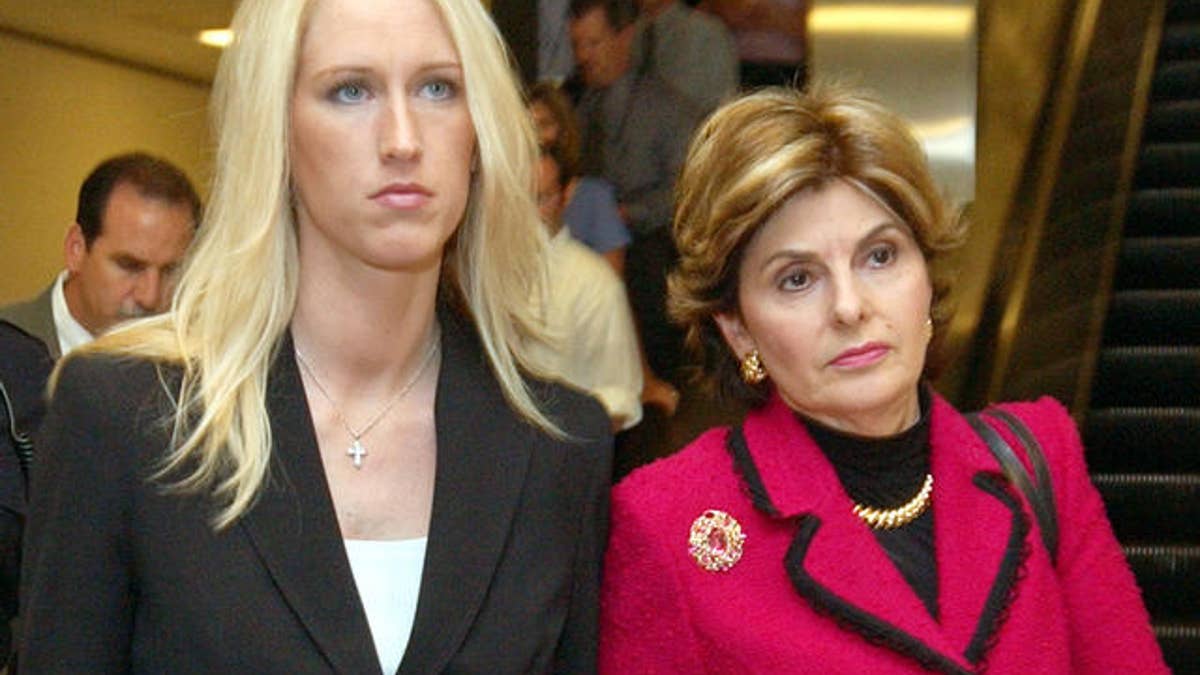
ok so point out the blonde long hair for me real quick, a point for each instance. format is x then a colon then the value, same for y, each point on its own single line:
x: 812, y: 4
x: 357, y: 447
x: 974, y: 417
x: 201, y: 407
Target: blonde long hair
x: 237, y: 292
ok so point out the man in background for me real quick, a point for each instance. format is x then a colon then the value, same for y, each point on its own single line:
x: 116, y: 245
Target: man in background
x: 634, y: 133
x: 135, y: 219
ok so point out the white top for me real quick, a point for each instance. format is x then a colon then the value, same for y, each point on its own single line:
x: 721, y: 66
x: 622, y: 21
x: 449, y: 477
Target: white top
x: 388, y: 576
x: 587, y: 315
x: 71, y: 333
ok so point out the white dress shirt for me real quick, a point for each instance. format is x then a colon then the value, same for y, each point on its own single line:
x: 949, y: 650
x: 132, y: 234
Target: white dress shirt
x: 71, y: 333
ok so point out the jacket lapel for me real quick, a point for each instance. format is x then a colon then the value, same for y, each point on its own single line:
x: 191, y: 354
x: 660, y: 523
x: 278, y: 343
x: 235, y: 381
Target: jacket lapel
x: 836, y: 563
x: 838, y: 553
x: 295, y: 531
x: 483, y: 455
x: 975, y: 579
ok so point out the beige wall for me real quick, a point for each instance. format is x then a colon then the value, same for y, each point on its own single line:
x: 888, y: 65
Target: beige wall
x: 61, y: 113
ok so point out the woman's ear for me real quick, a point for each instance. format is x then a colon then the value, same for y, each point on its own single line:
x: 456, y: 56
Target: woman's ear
x: 734, y: 331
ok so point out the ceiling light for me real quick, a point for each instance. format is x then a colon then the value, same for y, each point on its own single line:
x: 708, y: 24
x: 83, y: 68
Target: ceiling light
x: 914, y: 20
x: 216, y: 37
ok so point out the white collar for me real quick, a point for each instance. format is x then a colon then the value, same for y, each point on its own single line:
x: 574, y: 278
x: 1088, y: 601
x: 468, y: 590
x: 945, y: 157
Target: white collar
x: 71, y: 333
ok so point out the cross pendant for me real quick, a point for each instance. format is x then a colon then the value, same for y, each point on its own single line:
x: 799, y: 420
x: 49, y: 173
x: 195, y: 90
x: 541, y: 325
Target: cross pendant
x: 357, y: 451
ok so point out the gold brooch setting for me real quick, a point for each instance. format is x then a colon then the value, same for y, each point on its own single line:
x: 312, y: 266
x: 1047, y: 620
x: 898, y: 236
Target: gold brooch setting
x: 715, y: 540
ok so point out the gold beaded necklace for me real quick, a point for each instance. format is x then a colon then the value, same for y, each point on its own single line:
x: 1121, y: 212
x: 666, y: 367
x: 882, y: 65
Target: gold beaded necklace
x: 890, y: 519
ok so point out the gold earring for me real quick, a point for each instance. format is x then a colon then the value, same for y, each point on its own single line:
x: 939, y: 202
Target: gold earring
x: 929, y: 328
x: 752, y: 368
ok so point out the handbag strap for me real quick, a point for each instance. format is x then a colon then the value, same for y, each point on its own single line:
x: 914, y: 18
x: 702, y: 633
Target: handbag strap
x: 1038, y: 490
x: 22, y: 444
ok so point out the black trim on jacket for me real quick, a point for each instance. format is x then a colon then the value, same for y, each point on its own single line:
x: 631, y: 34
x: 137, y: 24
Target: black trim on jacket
x: 869, y: 626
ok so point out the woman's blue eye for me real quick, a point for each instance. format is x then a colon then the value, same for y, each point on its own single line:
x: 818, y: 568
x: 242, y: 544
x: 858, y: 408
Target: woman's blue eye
x: 349, y: 92
x: 438, y: 90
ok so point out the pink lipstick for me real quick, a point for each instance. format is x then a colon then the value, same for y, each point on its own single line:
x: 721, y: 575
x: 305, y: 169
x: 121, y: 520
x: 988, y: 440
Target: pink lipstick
x: 861, y: 356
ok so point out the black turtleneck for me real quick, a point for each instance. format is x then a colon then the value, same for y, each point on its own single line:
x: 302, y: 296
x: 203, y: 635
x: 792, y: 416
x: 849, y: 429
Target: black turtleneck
x: 885, y: 473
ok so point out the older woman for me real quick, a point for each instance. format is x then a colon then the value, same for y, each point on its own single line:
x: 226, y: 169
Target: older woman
x: 854, y: 522
x: 325, y: 458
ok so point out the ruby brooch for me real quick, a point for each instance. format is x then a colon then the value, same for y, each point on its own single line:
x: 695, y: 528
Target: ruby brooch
x: 715, y: 540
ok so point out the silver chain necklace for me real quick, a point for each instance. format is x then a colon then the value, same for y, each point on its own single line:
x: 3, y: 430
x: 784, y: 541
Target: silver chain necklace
x: 357, y: 450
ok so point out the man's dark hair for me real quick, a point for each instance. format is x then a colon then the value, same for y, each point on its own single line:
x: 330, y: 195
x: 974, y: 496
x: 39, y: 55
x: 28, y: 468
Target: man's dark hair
x: 620, y: 13
x: 153, y: 177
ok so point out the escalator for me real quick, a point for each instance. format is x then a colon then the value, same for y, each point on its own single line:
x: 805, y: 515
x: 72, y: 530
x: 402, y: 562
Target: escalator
x: 1142, y: 427
x: 1095, y: 298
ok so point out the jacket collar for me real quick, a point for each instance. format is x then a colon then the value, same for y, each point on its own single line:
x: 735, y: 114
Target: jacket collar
x: 836, y: 563
x: 36, y: 317
x: 483, y: 455
x: 294, y: 528
x: 295, y: 531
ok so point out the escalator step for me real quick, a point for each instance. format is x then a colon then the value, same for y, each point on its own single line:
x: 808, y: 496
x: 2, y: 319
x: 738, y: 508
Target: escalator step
x: 1169, y: 577
x: 1174, y: 212
x: 1149, y: 440
x: 1180, y: 41
x: 1173, y: 121
x: 1157, y: 509
x: 1176, y: 80
x: 1181, y: 646
x: 1165, y: 165
x: 1183, y: 10
x: 1147, y: 377
x: 1150, y: 317
x: 1159, y: 263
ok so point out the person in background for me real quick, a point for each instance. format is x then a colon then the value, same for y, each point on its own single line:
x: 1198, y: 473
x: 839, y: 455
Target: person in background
x: 771, y: 38
x: 326, y: 457
x: 591, y: 211
x: 633, y: 132
x: 854, y: 522
x: 586, y: 311
x: 691, y: 51
x: 592, y: 214
x: 135, y: 218
x: 25, y: 365
x: 556, y: 63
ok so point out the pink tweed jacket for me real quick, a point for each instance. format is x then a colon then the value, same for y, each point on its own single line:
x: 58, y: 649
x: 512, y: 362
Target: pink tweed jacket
x: 813, y: 592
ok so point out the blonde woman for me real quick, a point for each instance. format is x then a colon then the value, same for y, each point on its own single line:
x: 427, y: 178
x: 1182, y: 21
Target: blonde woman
x: 325, y: 457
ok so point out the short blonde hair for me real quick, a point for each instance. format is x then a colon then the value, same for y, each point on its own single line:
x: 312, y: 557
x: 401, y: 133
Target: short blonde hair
x: 237, y: 292
x: 754, y: 153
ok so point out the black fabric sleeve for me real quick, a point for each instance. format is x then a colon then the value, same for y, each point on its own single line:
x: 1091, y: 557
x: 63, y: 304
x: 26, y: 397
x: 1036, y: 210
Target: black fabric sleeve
x: 577, y: 648
x: 77, y: 570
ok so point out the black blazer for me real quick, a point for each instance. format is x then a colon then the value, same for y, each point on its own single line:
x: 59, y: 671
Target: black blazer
x: 24, y: 366
x: 122, y: 577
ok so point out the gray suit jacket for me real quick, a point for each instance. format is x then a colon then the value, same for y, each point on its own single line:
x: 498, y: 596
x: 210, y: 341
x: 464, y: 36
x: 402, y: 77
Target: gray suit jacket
x: 35, y: 317
x: 639, y: 149
x: 693, y: 52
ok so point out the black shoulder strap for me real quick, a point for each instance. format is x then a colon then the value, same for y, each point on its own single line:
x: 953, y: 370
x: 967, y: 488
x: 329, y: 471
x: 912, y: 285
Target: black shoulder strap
x: 21, y: 442
x: 1039, y: 491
